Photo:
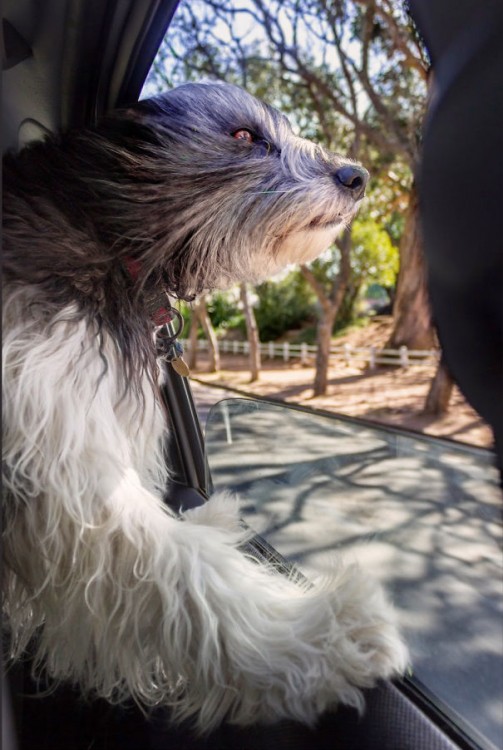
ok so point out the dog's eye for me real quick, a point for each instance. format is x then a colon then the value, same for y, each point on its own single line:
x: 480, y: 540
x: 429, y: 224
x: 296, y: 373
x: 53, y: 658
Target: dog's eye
x: 244, y: 135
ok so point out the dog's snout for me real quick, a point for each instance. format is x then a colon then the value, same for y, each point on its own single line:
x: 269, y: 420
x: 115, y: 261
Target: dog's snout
x: 354, y: 179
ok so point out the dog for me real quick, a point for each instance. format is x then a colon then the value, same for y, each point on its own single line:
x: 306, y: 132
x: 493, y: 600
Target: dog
x: 110, y: 589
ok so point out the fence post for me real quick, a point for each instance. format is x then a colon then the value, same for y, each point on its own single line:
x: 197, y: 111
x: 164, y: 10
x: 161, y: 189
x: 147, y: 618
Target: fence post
x: 270, y: 349
x: 303, y: 354
x: 404, y: 356
x: 235, y: 347
x: 347, y: 353
x: 286, y: 351
x: 372, y: 360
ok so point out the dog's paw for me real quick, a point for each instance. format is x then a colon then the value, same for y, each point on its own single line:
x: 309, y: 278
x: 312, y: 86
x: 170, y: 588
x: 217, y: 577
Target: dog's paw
x: 323, y: 646
x: 371, y: 647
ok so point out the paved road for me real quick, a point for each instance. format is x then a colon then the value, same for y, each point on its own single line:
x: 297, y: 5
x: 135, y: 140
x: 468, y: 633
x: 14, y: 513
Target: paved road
x: 423, y: 516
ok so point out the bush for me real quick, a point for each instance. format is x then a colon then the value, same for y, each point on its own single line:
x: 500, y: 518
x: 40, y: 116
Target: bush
x: 281, y: 306
x: 224, y: 312
x: 186, y: 311
x: 306, y: 336
x: 284, y: 305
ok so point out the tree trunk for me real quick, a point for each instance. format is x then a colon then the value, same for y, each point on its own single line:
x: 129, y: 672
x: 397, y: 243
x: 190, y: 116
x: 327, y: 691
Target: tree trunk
x: 213, y: 351
x: 411, y: 309
x: 437, y: 400
x: 330, y: 305
x: 252, y: 334
x: 192, y: 353
x: 323, y: 341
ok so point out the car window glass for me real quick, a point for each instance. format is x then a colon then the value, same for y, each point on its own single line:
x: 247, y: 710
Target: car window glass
x: 421, y: 514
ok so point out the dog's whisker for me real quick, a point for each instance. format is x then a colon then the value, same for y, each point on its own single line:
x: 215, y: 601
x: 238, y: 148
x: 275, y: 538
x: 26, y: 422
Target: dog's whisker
x: 269, y: 192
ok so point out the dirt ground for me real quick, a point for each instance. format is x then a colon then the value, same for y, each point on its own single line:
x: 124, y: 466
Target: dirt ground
x: 387, y: 395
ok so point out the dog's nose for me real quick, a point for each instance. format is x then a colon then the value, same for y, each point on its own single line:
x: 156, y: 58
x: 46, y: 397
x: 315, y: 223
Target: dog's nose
x: 354, y: 179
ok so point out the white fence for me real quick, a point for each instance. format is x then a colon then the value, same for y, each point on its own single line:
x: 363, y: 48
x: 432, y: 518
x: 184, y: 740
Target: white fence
x: 370, y: 355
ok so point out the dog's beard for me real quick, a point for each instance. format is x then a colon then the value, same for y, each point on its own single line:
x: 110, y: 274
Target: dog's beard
x: 273, y: 254
x: 296, y: 248
x: 302, y: 243
x: 307, y: 244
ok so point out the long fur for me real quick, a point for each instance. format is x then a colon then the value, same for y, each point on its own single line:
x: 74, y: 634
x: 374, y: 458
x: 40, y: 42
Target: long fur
x: 109, y: 588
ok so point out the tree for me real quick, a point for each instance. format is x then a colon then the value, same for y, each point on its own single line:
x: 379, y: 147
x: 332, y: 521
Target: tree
x: 411, y: 309
x: 374, y: 258
x: 365, y: 253
x: 200, y: 316
x: 252, y: 334
x: 440, y: 391
x: 330, y: 293
x: 193, y: 338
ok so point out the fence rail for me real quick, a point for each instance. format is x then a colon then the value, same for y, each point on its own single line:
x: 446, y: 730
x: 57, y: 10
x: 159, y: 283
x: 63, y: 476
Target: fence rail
x: 372, y: 355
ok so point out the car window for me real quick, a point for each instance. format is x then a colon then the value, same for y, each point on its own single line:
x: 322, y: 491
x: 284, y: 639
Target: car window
x: 423, y: 515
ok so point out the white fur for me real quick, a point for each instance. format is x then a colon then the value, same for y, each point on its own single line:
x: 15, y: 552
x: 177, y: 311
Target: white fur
x: 126, y: 598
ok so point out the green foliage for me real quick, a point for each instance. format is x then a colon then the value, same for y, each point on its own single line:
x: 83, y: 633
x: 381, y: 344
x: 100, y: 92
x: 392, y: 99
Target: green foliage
x: 374, y: 258
x: 374, y: 263
x: 394, y: 226
x: 346, y: 316
x: 307, y: 335
x: 186, y: 311
x: 283, y: 305
x: 280, y: 306
x: 224, y: 312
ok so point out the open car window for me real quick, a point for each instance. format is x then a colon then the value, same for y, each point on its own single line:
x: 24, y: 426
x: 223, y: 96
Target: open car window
x: 422, y: 514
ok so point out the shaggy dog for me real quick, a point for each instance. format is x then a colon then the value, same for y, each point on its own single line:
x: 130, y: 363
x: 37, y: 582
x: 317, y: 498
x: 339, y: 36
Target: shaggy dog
x: 182, y: 193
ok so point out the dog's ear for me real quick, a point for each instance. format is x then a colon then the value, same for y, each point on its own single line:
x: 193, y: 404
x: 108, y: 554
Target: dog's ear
x: 127, y: 129
x: 149, y: 121
x: 160, y: 107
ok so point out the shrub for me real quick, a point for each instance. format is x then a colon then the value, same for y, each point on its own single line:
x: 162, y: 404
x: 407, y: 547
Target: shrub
x: 284, y: 305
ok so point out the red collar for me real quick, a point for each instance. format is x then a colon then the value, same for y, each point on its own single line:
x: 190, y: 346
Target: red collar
x: 158, y: 306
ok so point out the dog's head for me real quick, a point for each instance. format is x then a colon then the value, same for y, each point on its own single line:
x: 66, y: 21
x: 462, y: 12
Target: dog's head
x: 224, y: 191
x: 199, y: 187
